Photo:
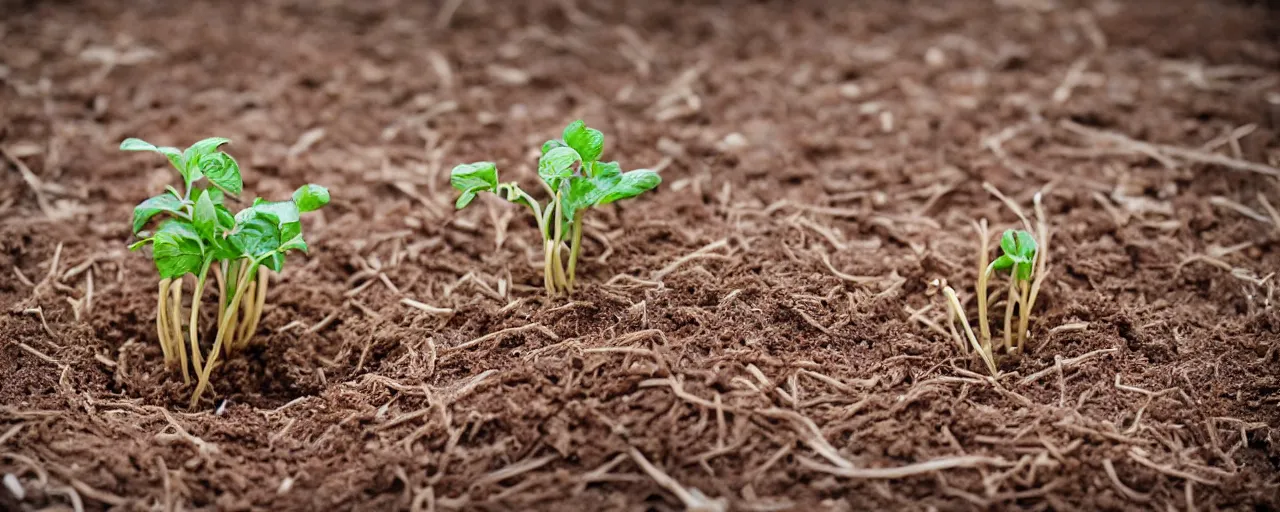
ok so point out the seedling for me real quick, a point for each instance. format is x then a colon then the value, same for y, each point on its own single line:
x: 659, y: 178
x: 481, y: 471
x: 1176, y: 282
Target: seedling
x: 199, y: 233
x: 575, y: 179
x: 1024, y: 259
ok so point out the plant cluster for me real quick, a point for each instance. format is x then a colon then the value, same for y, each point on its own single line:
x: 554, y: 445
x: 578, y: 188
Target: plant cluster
x: 1024, y: 259
x: 199, y: 233
x: 575, y: 179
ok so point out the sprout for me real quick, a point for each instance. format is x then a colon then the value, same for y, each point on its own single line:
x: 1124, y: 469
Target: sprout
x: 575, y: 179
x: 1024, y: 259
x: 201, y: 234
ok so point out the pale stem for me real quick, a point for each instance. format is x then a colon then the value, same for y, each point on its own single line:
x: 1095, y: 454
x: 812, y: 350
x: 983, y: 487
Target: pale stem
x: 264, y: 276
x: 175, y: 326
x: 246, y: 316
x: 195, y: 315
x: 575, y: 246
x: 218, y: 271
x: 1024, y: 315
x: 558, y: 265
x: 984, y: 274
x: 162, y: 324
x: 957, y: 312
x: 1008, y: 313
x: 223, y: 331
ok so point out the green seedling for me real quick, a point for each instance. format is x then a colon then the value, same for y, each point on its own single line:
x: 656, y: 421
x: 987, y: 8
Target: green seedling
x: 576, y: 180
x: 197, y: 234
x: 1024, y: 259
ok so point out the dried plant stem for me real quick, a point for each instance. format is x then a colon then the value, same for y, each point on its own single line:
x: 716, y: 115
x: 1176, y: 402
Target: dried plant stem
x: 957, y: 313
x: 1041, y: 270
x: 985, y: 270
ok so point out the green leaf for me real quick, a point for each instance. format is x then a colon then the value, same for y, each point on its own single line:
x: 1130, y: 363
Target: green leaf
x: 179, y: 227
x: 176, y: 253
x: 215, y: 195
x: 142, y: 213
x: 285, y: 211
x: 606, y: 170
x: 464, y: 199
x: 204, y: 148
x: 557, y: 165
x: 225, y: 219
x: 585, y: 192
x: 631, y: 184
x: 588, y: 142
x: 1020, y: 248
x: 174, y: 155
x: 257, y: 235
x: 222, y: 171
x: 205, y: 216
x: 473, y: 178
x: 291, y: 238
x: 310, y: 197
x: 552, y: 144
x: 275, y: 262
x: 1004, y: 262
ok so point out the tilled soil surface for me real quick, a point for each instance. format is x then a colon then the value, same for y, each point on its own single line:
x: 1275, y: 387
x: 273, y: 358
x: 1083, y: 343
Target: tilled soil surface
x: 759, y: 334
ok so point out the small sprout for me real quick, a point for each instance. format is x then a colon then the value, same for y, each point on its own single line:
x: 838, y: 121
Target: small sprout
x: 1019, y: 254
x: 1023, y: 258
x: 198, y: 234
x: 577, y: 181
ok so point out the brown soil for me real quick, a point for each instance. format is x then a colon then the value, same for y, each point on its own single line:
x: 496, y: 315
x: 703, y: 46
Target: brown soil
x: 786, y: 132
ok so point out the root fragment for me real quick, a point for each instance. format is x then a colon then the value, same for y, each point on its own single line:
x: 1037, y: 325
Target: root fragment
x: 693, y: 499
x: 965, y: 461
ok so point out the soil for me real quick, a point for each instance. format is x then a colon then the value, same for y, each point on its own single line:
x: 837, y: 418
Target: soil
x: 754, y: 335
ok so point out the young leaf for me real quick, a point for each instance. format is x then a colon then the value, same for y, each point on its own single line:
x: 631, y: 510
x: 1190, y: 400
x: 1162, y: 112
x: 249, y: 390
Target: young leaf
x: 175, y: 254
x: 631, y: 184
x: 473, y: 178
x: 222, y: 171
x: 291, y: 238
x: 147, y: 209
x: 310, y: 197
x: 1020, y: 249
x: 1004, y: 262
x: 606, y: 170
x: 174, y: 155
x: 204, y: 148
x: 557, y: 165
x: 215, y: 195
x: 180, y: 228
x: 205, y: 216
x: 585, y: 192
x: 285, y: 211
x: 588, y: 142
x: 258, y: 235
x: 275, y: 262
x: 552, y: 144
x: 225, y: 219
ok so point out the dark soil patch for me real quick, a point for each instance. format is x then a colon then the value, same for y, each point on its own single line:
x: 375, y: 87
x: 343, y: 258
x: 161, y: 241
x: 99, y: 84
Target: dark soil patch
x: 788, y: 134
